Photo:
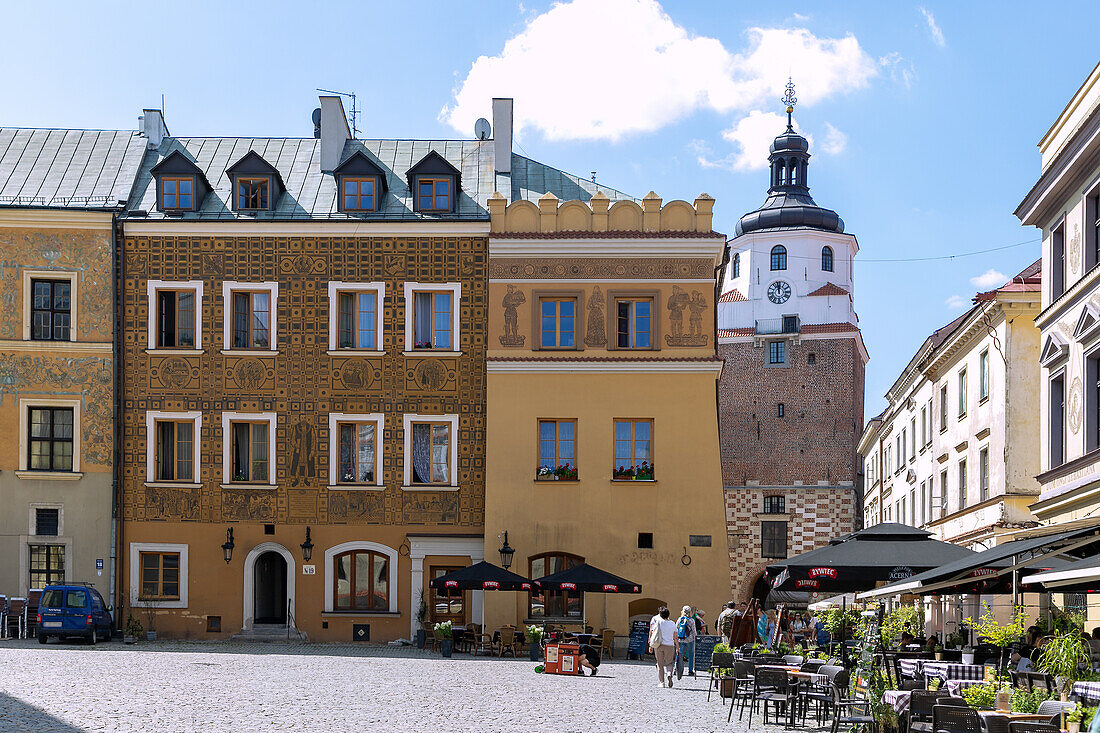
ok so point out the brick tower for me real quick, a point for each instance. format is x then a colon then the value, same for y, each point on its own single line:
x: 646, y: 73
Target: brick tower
x: 791, y: 392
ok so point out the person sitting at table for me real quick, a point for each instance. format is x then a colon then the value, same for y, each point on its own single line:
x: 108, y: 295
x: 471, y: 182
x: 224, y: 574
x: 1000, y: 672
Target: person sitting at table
x: 1020, y: 663
x: 932, y: 643
x: 590, y: 658
x: 906, y: 639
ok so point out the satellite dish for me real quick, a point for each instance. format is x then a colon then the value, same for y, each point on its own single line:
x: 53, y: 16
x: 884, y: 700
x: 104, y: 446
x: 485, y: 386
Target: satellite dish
x: 482, y: 130
x: 317, y: 116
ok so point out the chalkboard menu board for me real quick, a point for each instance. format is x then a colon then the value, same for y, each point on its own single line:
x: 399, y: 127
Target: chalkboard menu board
x: 639, y: 637
x: 704, y: 647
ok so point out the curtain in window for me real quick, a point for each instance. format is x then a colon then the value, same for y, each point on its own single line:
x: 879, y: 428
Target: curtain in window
x: 441, y: 453
x: 240, y: 451
x: 422, y: 320
x: 366, y: 453
x: 421, y: 454
x: 166, y: 446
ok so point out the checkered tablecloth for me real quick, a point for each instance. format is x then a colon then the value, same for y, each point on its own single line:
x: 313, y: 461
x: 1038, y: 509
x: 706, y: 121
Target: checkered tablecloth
x: 1087, y: 692
x: 955, y: 687
x: 898, y: 699
x: 911, y: 667
x: 953, y: 671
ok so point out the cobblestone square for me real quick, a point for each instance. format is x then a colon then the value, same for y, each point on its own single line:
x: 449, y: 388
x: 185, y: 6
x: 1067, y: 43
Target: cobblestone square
x: 178, y: 686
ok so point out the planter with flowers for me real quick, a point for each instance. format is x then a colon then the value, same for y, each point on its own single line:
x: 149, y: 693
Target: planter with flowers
x: 564, y: 472
x: 644, y: 472
x: 623, y: 473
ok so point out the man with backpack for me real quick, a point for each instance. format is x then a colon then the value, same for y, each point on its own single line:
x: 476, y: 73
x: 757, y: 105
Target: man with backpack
x: 685, y: 642
x: 726, y: 620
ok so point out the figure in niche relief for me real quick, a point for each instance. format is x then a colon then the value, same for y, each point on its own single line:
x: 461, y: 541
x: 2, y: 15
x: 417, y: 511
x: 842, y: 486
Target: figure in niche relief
x: 513, y: 299
x: 676, y: 304
x: 697, y: 305
x: 301, y: 457
x: 597, y: 329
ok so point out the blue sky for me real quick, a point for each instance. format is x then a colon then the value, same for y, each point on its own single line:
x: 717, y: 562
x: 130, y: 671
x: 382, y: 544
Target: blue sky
x: 924, y: 118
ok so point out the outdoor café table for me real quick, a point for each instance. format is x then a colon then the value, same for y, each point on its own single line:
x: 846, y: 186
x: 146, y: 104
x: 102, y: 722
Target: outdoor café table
x: 1014, y: 717
x: 953, y: 671
x: 955, y: 687
x: 911, y: 667
x: 898, y: 699
x: 1087, y: 692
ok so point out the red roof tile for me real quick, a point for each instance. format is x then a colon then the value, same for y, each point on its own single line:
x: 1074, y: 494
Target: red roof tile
x: 604, y: 358
x: 829, y: 289
x: 732, y: 296
x: 1029, y: 280
x: 829, y: 328
x: 727, y: 332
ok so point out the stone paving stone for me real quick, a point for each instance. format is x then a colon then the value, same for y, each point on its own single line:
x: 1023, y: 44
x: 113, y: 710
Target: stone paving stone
x: 202, y: 686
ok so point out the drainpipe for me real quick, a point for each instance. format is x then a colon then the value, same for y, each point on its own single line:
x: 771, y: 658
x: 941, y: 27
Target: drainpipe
x: 118, y: 251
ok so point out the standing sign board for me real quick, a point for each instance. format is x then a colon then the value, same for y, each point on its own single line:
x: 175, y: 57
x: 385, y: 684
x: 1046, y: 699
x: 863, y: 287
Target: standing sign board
x: 704, y: 647
x: 639, y: 638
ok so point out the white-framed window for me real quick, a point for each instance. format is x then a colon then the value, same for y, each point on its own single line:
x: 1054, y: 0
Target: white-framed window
x: 342, y: 588
x: 248, y: 448
x: 47, y: 519
x: 431, y: 451
x: 49, y: 438
x: 431, y: 316
x: 355, y: 316
x: 158, y: 575
x: 175, y: 314
x: 250, y: 316
x: 50, y: 301
x: 172, y: 441
x: 355, y: 450
x: 983, y: 375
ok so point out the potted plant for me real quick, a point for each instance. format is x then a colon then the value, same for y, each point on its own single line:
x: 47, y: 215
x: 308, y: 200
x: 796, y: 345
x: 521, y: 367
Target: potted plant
x: 644, y: 472
x: 938, y: 652
x: 534, y: 642
x: 151, y: 606
x: 133, y: 631
x: 623, y: 473
x: 565, y: 472
x: 997, y: 634
x: 546, y: 473
x: 446, y: 643
x: 1063, y: 657
x: 724, y: 681
x: 1073, y: 718
x: 968, y: 655
x: 421, y: 616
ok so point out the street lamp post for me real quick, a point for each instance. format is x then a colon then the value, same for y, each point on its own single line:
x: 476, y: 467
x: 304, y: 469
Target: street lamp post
x: 307, y: 548
x: 506, y: 553
x: 227, y: 546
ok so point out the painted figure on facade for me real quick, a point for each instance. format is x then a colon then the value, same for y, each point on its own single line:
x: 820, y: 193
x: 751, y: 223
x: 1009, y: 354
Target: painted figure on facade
x: 597, y: 329
x: 301, y: 462
x: 513, y: 299
x: 676, y: 304
x: 697, y: 305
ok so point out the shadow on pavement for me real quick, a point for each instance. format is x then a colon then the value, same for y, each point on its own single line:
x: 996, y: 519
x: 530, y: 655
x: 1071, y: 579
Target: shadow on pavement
x: 18, y: 715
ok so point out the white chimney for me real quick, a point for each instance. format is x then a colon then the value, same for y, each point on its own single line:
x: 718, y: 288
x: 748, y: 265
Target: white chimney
x: 502, y: 134
x: 151, y: 124
x: 334, y: 132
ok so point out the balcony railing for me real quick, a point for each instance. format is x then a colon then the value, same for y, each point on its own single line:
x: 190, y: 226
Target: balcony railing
x: 786, y: 324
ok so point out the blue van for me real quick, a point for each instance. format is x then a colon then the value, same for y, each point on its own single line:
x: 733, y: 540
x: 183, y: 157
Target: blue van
x: 73, y: 610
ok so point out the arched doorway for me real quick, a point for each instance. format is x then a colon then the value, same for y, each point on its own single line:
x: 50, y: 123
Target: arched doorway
x: 250, y: 577
x: 760, y: 589
x: 270, y: 588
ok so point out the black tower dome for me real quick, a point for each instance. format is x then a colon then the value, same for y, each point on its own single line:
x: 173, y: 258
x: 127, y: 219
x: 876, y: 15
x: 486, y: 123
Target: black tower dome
x: 789, y: 204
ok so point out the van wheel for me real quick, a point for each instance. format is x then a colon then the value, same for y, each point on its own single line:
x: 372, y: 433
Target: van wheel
x: 42, y: 638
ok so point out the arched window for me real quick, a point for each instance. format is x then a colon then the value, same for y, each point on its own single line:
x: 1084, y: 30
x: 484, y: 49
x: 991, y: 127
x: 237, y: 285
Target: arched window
x: 779, y: 257
x: 827, y: 259
x: 553, y: 603
x: 737, y: 266
x: 362, y: 581
x: 792, y: 177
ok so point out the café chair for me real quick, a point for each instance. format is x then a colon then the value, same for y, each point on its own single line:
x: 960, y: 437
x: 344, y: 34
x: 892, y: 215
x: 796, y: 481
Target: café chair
x: 607, y: 642
x: 1028, y: 726
x: 507, y: 642
x: 920, y: 710
x: 956, y: 719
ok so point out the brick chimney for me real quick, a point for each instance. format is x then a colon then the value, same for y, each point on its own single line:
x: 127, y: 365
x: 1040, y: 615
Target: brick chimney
x: 334, y: 132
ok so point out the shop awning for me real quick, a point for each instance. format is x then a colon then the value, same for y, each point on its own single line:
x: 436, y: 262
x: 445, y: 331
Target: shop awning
x: 588, y: 579
x: 990, y: 571
x: 482, y: 576
x: 861, y: 560
x: 1081, y: 576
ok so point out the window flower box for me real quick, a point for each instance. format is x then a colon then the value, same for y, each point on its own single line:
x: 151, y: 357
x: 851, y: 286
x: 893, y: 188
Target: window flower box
x: 564, y: 472
x: 643, y: 472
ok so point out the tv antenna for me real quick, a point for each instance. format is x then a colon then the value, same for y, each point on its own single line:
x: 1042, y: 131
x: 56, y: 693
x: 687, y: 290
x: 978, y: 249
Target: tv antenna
x: 354, y: 109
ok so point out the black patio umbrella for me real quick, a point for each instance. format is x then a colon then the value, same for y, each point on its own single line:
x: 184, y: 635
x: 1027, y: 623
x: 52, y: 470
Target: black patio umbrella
x: 859, y: 561
x: 588, y: 579
x: 482, y: 576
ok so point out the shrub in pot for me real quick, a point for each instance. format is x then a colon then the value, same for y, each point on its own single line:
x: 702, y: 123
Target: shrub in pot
x: 446, y: 643
x: 534, y: 642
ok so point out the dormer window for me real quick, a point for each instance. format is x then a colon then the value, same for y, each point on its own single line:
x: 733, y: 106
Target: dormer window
x: 434, y: 184
x: 181, y: 185
x: 360, y: 194
x: 433, y: 194
x: 257, y: 184
x: 177, y: 193
x: 253, y: 193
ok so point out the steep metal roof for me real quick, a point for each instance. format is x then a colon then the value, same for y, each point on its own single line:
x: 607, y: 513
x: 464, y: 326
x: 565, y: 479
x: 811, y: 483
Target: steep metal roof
x: 311, y: 194
x: 531, y: 179
x: 73, y: 169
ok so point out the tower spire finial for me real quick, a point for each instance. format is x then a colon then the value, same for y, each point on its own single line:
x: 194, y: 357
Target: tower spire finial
x: 790, y: 100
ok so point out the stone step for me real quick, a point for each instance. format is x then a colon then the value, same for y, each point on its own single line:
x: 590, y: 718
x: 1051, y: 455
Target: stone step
x: 272, y: 633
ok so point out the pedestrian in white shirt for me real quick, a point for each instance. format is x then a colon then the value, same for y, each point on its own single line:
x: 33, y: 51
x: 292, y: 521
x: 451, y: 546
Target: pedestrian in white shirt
x: 662, y: 642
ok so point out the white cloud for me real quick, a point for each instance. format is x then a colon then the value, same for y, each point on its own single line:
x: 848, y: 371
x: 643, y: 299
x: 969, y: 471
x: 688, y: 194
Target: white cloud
x: 937, y: 34
x: 955, y: 301
x: 605, y: 69
x: 989, y: 279
x: 835, y: 140
x: 901, y: 70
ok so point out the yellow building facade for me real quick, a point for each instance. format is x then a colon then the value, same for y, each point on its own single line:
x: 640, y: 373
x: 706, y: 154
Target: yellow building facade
x: 602, y: 435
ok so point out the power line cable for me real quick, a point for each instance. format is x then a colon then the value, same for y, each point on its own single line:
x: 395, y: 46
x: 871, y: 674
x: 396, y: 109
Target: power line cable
x: 933, y: 258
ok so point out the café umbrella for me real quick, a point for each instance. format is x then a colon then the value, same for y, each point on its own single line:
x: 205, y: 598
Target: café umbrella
x: 482, y: 576
x: 585, y: 578
x: 859, y: 561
